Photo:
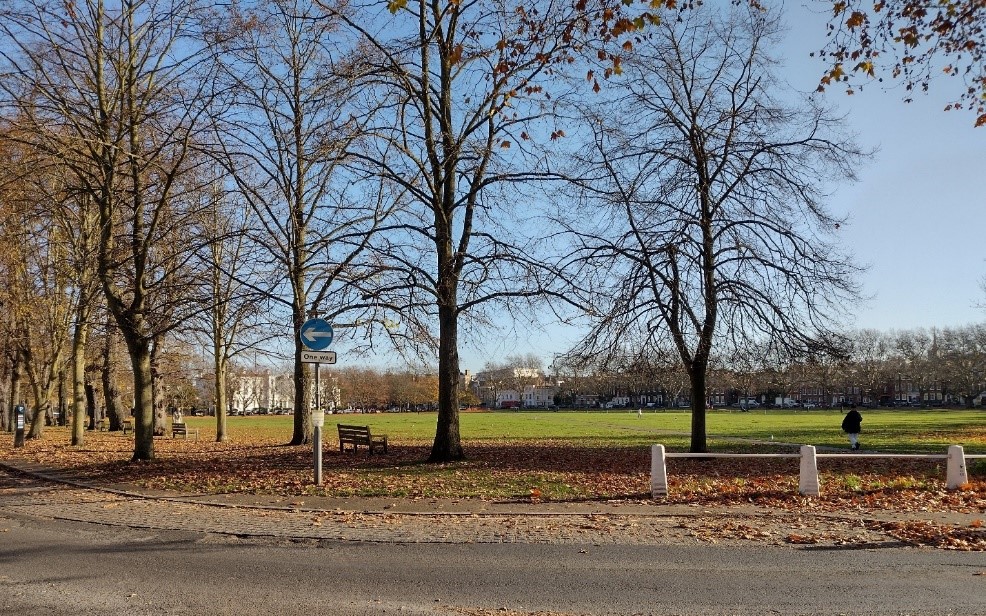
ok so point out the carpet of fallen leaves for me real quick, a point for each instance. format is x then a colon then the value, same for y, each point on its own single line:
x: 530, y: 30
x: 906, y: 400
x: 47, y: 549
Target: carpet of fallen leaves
x: 546, y: 471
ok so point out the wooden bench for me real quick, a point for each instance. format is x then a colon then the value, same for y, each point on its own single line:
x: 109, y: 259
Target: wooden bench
x: 360, y: 435
x: 183, y: 429
x: 102, y: 425
x: 128, y: 426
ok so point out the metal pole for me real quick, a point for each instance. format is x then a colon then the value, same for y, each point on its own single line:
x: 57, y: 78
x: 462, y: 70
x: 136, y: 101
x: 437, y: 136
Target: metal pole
x: 317, y: 444
x: 318, y: 456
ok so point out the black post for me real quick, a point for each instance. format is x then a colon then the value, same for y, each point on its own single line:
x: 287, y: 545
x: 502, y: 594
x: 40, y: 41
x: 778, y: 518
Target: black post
x: 19, y: 420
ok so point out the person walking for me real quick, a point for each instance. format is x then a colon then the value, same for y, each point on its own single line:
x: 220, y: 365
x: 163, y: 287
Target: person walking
x: 851, y: 425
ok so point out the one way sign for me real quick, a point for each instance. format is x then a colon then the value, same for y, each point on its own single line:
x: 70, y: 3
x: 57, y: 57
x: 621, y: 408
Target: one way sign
x: 316, y: 334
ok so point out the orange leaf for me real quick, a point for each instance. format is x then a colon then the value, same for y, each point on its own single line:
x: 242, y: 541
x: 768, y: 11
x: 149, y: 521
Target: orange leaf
x: 456, y: 54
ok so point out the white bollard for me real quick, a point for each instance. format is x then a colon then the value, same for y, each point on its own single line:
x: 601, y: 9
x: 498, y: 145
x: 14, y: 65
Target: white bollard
x: 808, y: 482
x: 955, y: 471
x: 658, y: 472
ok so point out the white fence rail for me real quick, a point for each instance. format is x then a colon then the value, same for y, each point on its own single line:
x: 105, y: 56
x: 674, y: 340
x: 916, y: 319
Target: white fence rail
x: 808, y: 484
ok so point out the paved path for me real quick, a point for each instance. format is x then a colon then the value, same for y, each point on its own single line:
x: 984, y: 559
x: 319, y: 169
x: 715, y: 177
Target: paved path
x: 37, y: 492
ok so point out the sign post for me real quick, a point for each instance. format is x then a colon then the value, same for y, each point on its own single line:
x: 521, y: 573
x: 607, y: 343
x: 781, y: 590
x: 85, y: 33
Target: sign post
x: 318, y: 420
x: 316, y: 334
x: 19, y: 418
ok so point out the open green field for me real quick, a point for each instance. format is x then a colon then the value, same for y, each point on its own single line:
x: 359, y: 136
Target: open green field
x: 899, y: 431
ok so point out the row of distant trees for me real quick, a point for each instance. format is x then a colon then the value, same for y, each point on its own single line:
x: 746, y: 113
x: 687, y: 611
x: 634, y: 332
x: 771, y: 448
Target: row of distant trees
x: 185, y: 383
x: 215, y: 172
x: 374, y: 388
x: 352, y: 387
x: 950, y: 362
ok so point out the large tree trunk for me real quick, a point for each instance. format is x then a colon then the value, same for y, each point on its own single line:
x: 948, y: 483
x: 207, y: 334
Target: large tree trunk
x: 92, y: 410
x: 302, y: 400
x: 140, y: 361
x: 219, y: 354
x: 78, y: 378
x: 42, y: 388
x: 62, y: 406
x: 447, y: 446
x: 16, y: 376
x: 5, y: 422
x: 697, y: 377
x: 303, y: 431
x: 111, y: 393
x: 157, y: 394
x: 42, y: 404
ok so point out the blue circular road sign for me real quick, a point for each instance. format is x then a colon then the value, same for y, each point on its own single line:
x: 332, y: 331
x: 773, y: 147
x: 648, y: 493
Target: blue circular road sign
x: 316, y: 334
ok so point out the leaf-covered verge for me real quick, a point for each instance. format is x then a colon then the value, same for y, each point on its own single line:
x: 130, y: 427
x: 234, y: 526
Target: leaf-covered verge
x: 909, y: 493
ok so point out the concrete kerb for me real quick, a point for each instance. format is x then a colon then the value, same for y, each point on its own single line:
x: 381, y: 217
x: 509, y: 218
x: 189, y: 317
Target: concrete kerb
x: 384, y: 506
x: 438, y: 509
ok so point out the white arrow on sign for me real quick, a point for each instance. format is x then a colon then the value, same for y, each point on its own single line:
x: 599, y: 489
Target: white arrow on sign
x: 312, y: 334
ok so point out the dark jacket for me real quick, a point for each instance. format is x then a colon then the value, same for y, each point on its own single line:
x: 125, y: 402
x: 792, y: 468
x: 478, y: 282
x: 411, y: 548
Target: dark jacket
x: 852, y: 421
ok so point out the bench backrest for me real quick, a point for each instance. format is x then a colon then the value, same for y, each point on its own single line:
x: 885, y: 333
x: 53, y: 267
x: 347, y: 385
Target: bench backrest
x: 354, y: 432
x: 178, y: 426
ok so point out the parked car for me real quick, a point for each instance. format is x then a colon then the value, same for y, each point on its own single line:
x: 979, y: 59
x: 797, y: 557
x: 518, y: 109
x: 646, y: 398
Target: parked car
x: 809, y: 405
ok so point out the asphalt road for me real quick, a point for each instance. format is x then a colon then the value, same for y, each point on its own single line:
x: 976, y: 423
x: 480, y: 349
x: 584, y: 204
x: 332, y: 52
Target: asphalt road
x: 59, y: 567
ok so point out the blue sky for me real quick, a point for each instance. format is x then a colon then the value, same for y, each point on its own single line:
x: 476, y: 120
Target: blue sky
x: 917, y: 217
x: 918, y: 213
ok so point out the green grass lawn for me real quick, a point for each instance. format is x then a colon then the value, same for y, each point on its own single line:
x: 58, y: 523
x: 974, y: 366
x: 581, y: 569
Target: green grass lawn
x: 545, y: 455
x: 918, y: 430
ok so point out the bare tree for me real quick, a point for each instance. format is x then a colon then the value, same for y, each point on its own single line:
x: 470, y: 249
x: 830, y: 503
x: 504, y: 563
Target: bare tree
x: 238, y: 317
x: 412, y: 388
x: 962, y: 353
x: 116, y: 93
x: 71, y: 215
x: 711, y: 234
x: 362, y: 388
x: 466, y: 112
x: 40, y: 303
x: 284, y: 130
x: 40, y: 295
x: 870, y: 352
